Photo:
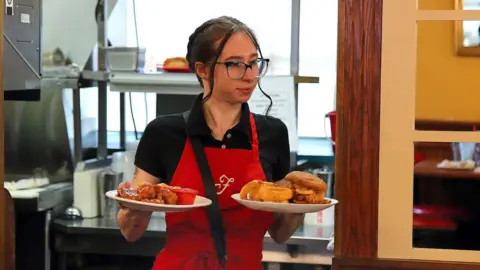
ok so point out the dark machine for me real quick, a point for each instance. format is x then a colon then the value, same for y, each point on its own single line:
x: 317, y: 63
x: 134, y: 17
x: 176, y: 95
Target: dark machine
x: 37, y: 135
x: 22, y: 52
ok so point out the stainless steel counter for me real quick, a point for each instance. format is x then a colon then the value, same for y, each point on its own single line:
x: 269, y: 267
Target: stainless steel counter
x: 102, y: 236
x: 306, y: 235
x: 53, y: 196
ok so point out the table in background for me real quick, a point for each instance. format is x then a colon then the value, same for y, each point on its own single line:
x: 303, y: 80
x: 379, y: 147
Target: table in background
x: 428, y: 169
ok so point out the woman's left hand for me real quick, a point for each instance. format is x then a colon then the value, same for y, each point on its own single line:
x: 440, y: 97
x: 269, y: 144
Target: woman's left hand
x: 296, y: 218
x: 285, y: 225
x: 294, y: 215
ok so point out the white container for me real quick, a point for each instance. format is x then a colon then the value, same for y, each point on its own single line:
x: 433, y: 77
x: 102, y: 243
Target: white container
x: 132, y: 145
x: 123, y: 162
x: 466, y: 151
x: 86, y: 190
x: 125, y: 59
x: 325, y: 217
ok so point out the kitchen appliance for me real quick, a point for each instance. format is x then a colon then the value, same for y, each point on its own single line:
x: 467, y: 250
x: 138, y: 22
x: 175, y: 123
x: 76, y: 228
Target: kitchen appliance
x: 123, y: 162
x: 332, y: 116
x: 22, y: 37
x: 125, y: 59
x: 37, y: 138
x: 86, y: 186
x: 108, y: 180
x: 326, y: 174
x: 72, y: 213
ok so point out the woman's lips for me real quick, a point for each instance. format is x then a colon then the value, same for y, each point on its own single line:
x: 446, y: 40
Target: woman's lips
x: 246, y: 89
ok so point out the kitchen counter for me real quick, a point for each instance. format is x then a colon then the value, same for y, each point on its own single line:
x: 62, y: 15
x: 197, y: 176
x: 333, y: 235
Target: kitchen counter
x: 58, y: 195
x: 102, y: 236
x: 306, y: 235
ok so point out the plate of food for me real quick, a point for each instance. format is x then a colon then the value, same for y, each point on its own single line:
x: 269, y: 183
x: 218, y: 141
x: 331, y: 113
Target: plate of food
x: 456, y: 165
x: 159, y: 198
x: 176, y: 65
x: 301, y: 192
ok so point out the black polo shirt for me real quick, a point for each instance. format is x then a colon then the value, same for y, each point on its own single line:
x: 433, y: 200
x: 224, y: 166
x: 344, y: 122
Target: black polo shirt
x: 164, y: 138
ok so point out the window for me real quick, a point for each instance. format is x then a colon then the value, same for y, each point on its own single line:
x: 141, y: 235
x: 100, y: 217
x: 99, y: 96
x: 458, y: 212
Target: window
x: 318, y: 57
x: 164, y: 30
x: 164, y: 33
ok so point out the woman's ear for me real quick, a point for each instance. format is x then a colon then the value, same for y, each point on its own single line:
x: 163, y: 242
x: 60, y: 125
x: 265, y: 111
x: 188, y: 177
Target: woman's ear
x: 202, y: 70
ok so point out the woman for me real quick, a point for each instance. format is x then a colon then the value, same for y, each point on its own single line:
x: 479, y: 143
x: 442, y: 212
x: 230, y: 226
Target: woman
x: 240, y: 147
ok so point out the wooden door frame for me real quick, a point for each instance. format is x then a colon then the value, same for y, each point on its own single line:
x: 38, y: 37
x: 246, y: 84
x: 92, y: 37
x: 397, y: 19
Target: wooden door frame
x: 358, y: 140
x: 358, y: 127
x: 2, y: 169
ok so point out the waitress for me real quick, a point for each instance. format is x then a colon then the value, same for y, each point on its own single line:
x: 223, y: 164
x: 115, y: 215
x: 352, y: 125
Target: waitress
x: 216, y: 148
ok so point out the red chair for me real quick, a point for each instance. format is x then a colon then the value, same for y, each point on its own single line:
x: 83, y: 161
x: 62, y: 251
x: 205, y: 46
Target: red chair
x: 418, y: 158
x: 437, y: 217
x: 435, y: 226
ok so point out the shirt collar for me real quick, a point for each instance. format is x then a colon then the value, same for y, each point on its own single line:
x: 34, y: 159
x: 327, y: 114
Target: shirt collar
x: 197, y: 125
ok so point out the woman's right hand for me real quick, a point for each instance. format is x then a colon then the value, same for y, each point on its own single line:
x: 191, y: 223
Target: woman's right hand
x: 132, y: 222
x: 137, y: 217
x: 132, y: 213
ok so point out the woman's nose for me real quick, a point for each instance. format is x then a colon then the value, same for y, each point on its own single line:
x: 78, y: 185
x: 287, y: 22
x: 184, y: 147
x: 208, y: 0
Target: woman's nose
x: 249, y: 74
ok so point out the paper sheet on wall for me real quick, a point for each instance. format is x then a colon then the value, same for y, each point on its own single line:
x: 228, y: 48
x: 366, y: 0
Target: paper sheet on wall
x: 282, y: 91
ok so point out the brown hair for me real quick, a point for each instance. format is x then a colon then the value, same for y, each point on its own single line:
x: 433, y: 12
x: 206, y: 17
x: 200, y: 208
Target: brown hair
x: 201, y: 45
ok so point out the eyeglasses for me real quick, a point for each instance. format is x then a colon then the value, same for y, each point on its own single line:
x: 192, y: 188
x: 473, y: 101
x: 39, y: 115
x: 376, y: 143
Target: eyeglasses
x: 236, y: 69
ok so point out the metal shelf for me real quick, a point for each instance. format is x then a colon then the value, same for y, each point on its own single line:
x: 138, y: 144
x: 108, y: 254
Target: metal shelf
x: 306, y: 79
x: 161, y: 83
x: 59, y: 83
x: 98, y: 76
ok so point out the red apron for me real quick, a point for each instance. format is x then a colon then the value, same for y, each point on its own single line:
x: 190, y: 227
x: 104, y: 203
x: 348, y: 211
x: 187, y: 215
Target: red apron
x: 189, y: 244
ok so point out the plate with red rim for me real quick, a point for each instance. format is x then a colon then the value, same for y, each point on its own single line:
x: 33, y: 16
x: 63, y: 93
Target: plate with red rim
x: 155, y: 207
x: 177, y: 69
x: 284, y: 207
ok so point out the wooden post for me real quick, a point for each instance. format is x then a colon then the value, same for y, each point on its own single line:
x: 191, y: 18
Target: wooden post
x: 2, y: 169
x: 358, y: 128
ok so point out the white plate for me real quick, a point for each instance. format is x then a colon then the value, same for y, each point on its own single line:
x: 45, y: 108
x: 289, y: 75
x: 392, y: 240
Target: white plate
x: 467, y: 165
x: 167, y: 208
x: 455, y: 168
x: 284, y: 207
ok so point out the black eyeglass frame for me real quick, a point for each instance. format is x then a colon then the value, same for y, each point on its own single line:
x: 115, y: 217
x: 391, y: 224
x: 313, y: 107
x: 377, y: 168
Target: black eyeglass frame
x: 246, y: 66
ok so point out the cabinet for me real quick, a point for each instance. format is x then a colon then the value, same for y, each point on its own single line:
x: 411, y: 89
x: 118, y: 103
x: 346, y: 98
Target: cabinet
x: 21, y: 50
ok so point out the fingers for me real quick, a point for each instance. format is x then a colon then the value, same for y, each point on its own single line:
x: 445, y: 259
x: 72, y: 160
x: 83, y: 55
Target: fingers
x: 121, y: 206
x: 132, y: 213
x: 136, y: 214
x: 124, y: 185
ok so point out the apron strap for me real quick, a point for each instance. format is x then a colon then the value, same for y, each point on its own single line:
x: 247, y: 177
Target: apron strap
x: 254, y: 138
x: 213, y: 211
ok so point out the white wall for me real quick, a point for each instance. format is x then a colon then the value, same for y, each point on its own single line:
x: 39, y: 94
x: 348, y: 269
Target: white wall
x: 70, y: 25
